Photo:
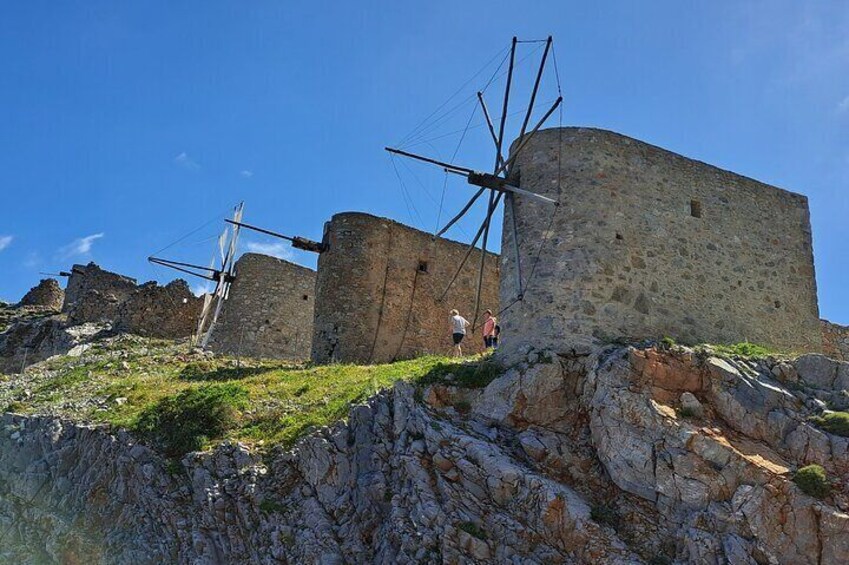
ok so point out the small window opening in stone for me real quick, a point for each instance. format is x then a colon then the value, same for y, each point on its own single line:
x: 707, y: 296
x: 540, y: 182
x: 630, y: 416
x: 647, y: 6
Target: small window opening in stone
x: 619, y: 236
x: 422, y: 266
x: 695, y: 208
x: 305, y: 297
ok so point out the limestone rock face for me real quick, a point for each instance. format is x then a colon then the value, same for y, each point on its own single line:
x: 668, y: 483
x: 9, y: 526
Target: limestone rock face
x: 29, y: 341
x: 581, y: 459
x: 46, y: 293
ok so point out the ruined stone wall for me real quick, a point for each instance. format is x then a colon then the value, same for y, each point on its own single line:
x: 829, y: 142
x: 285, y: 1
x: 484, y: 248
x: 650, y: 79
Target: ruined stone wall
x: 168, y: 311
x: 378, y: 289
x: 269, y: 312
x: 99, y: 296
x: 835, y: 340
x: 647, y: 243
x: 113, y: 287
x: 47, y: 294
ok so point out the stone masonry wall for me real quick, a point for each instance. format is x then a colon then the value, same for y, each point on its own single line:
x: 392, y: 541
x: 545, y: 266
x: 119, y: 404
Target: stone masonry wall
x: 378, y: 289
x: 99, y: 296
x: 160, y: 311
x: 47, y: 294
x: 647, y: 243
x: 835, y: 340
x: 269, y: 312
x: 91, y: 277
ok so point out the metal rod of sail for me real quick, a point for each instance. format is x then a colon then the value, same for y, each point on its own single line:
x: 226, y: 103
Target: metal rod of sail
x: 428, y: 160
x: 491, y: 209
x: 298, y: 242
x: 178, y: 266
x: 536, y: 87
x: 461, y: 213
x: 471, y: 247
x: 500, y: 142
x: 528, y: 137
x: 510, y: 208
x: 491, y: 128
x: 260, y: 230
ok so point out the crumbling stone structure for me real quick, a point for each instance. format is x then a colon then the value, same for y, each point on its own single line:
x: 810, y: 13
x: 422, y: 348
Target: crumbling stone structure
x: 269, y: 312
x: 160, y: 311
x: 647, y: 243
x: 99, y: 296
x: 47, y: 294
x: 835, y: 340
x: 378, y: 291
x: 95, y: 295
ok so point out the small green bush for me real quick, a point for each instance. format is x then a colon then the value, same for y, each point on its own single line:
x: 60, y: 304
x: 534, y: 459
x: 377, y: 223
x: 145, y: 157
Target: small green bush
x: 186, y: 421
x: 465, y: 374
x: 463, y: 406
x: 473, y: 530
x: 813, y: 481
x: 604, y: 514
x: 687, y: 412
x: 836, y: 423
x: 667, y: 342
x: 269, y: 506
x: 745, y: 349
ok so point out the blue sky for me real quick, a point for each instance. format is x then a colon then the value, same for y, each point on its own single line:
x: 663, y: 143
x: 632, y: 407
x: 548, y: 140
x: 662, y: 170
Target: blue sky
x: 126, y: 125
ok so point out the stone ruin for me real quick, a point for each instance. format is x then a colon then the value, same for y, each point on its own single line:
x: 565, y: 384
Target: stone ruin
x: 47, y: 294
x: 835, y: 340
x: 269, y: 311
x: 94, y: 294
x: 160, y: 311
x: 378, y: 292
x: 99, y: 296
x: 647, y: 243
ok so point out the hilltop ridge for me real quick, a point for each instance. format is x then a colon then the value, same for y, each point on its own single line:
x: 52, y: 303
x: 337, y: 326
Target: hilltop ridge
x: 650, y: 454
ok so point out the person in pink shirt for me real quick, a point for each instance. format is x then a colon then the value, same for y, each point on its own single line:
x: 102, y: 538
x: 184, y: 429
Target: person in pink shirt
x: 490, y: 330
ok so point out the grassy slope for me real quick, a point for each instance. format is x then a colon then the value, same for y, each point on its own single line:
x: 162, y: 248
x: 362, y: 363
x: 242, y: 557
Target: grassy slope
x: 116, y: 382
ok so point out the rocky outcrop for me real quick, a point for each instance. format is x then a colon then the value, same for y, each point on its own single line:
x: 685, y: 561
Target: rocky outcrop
x: 560, y: 460
x: 47, y: 294
x: 29, y: 341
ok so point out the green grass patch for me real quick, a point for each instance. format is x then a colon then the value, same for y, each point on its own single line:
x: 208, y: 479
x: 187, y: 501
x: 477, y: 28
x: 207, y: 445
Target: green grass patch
x: 473, y: 373
x: 153, y: 387
x: 745, y: 349
x: 187, y: 421
x: 209, y: 371
x: 813, y: 481
x: 836, y: 423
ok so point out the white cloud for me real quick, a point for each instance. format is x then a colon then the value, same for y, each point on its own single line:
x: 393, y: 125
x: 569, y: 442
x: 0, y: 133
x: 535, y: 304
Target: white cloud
x: 33, y: 260
x: 81, y: 246
x: 183, y: 160
x: 5, y: 241
x: 278, y: 249
x: 247, y: 174
x: 843, y: 106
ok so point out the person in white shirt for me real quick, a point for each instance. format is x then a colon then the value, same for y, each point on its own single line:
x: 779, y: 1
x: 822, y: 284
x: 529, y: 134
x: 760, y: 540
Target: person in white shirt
x: 458, y: 329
